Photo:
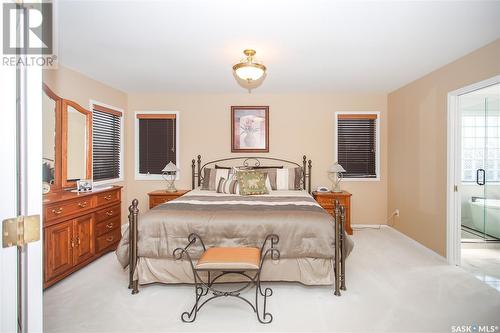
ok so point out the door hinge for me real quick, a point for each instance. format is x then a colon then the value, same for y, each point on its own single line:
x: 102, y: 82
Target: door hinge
x: 20, y: 230
x: 455, y: 188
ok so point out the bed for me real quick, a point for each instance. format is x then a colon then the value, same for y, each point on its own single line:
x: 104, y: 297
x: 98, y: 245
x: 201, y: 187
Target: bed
x: 313, y: 246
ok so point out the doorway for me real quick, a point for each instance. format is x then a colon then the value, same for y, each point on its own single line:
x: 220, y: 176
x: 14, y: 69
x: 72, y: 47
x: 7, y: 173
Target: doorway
x: 474, y: 168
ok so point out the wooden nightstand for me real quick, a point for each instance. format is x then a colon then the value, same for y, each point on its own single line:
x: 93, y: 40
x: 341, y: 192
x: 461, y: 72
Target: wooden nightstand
x: 325, y: 200
x: 161, y: 196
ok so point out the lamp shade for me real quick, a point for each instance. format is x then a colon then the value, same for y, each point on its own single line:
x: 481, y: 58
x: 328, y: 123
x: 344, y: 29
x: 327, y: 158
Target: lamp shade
x: 336, y: 168
x: 170, y: 167
x: 249, y: 72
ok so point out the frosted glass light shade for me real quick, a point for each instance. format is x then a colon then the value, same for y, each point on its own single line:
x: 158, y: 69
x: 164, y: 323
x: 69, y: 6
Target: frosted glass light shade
x: 249, y: 72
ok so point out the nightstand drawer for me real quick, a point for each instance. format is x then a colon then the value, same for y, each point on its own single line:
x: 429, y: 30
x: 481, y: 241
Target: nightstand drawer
x: 325, y: 202
x: 158, y: 197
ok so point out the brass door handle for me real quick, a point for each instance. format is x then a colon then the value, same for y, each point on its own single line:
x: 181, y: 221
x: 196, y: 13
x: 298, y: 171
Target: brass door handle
x: 110, y: 239
x: 82, y: 204
x: 108, y: 197
x: 57, y: 211
x: 78, y: 241
x: 72, y: 243
x: 109, y: 213
x: 109, y: 225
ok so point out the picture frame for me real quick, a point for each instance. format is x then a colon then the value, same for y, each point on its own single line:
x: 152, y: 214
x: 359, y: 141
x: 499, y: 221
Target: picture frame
x: 84, y: 185
x: 249, y: 129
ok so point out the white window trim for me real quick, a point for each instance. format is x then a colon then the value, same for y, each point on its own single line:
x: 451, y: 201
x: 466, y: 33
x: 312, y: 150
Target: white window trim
x: 122, y: 136
x: 141, y: 176
x: 377, y: 138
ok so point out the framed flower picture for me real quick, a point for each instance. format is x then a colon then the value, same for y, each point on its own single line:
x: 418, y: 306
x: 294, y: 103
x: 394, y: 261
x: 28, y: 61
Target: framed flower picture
x: 249, y: 129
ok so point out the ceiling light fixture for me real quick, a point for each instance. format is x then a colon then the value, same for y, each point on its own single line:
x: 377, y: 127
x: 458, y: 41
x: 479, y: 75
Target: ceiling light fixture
x: 249, y: 69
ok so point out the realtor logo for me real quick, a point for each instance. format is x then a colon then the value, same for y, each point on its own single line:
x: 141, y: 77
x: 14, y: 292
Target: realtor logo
x: 37, y: 18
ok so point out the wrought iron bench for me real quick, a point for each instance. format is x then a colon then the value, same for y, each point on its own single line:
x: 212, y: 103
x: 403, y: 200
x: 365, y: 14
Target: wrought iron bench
x: 222, y: 261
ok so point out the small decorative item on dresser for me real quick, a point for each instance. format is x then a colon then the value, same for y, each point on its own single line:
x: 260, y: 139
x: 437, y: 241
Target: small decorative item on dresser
x: 335, y: 174
x: 160, y: 196
x: 170, y: 174
x: 327, y: 199
x: 84, y: 185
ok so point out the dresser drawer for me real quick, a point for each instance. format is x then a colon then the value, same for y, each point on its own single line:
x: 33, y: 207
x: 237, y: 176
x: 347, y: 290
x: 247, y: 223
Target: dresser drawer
x: 108, y: 239
x: 107, y: 226
x: 53, y: 212
x: 107, y: 197
x: 107, y: 213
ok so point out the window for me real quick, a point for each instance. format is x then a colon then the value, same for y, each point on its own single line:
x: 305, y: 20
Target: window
x: 358, y: 144
x: 157, y: 143
x: 106, y: 143
x: 480, y: 145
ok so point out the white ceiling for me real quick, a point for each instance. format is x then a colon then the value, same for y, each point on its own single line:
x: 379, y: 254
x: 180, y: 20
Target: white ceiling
x: 308, y: 46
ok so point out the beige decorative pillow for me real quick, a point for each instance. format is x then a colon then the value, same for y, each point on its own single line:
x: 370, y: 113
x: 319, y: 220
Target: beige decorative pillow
x: 289, y: 179
x: 252, y: 182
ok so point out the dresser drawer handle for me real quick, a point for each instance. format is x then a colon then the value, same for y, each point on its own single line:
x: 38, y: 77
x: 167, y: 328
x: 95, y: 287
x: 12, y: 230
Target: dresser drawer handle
x: 110, y: 238
x: 57, y: 211
x: 82, y: 204
x: 109, y: 225
x: 109, y: 213
x: 108, y: 197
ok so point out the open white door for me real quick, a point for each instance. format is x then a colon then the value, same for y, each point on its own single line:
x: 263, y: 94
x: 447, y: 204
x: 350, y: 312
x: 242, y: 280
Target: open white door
x: 21, y: 179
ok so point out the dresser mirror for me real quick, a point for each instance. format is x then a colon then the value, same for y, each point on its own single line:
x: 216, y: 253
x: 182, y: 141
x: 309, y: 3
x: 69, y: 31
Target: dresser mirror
x: 51, y: 117
x: 76, y: 143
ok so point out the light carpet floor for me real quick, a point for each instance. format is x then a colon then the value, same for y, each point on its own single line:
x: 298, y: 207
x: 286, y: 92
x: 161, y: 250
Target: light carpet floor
x: 394, y: 284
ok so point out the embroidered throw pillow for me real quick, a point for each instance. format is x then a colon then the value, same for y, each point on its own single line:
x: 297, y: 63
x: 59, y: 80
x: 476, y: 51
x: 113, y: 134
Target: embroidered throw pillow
x: 252, y: 182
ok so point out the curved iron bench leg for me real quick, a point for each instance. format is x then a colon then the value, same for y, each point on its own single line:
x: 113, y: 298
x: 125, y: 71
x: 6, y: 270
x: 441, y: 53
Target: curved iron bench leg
x: 203, y: 288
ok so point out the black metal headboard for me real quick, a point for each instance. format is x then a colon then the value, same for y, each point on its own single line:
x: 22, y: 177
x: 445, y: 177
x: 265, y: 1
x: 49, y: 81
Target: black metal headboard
x: 250, y: 162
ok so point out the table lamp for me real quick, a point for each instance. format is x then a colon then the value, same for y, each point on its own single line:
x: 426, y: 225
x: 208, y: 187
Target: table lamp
x: 335, y: 174
x: 170, y: 174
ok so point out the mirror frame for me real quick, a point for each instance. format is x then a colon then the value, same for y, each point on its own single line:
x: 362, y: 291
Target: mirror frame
x: 57, y: 137
x: 64, y: 143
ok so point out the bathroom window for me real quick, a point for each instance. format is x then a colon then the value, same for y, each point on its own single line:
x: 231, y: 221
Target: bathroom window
x: 481, y: 145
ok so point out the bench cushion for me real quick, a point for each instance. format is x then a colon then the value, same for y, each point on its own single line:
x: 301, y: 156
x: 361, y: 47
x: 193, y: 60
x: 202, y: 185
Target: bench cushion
x: 230, y: 258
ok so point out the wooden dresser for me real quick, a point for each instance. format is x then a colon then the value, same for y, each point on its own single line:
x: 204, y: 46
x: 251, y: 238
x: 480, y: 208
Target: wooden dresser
x: 325, y: 200
x: 161, y: 196
x: 78, y: 228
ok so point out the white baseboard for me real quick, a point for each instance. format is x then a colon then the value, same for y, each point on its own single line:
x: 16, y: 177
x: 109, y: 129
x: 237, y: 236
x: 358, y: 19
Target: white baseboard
x: 369, y: 226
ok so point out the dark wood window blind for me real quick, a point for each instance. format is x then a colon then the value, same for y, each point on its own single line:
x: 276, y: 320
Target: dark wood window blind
x: 106, y: 137
x: 357, y: 144
x: 157, y: 142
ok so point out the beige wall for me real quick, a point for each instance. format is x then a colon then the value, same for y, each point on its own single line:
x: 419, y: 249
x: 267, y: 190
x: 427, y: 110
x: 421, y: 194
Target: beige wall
x: 417, y: 150
x: 299, y: 124
x: 77, y: 87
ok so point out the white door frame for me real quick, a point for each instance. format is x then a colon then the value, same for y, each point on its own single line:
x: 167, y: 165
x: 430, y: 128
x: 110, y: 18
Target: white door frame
x: 453, y: 189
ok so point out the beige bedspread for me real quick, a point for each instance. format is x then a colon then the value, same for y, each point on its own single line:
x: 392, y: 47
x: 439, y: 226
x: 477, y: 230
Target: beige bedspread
x: 304, y: 228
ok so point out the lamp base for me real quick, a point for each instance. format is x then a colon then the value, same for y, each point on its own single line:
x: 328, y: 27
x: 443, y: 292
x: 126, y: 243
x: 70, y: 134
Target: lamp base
x: 170, y: 186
